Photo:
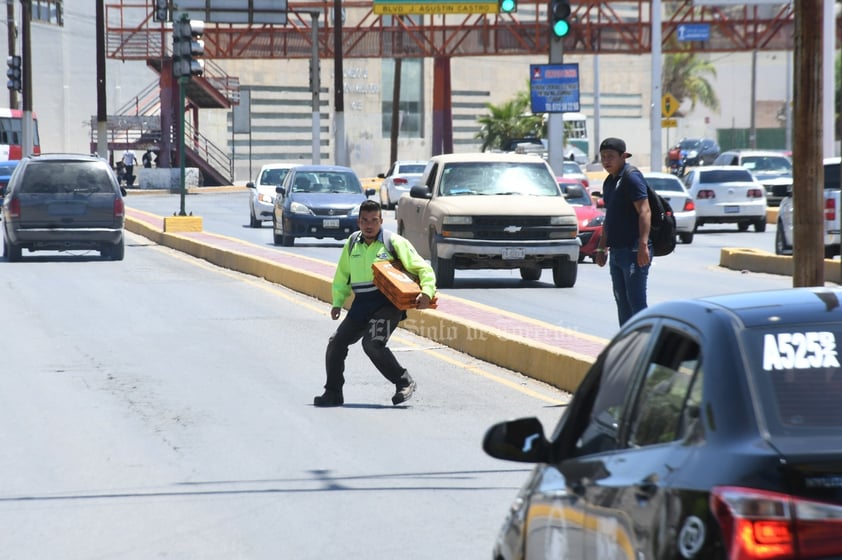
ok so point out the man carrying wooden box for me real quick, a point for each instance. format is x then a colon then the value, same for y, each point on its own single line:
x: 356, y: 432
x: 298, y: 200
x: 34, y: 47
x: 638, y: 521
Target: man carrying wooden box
x: 372, y: 317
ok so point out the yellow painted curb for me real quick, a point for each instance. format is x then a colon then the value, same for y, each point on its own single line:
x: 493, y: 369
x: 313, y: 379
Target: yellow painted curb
x: 177, y: 224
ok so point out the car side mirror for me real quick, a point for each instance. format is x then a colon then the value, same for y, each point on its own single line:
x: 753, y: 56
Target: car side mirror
x: 370, y: 192
x: 123, y: 191
x: 420, y: 191
x: 279, y: 190
x: 600, y: 203
x: 381, y: 175
x: 520, y: 440
x: 250, y: 185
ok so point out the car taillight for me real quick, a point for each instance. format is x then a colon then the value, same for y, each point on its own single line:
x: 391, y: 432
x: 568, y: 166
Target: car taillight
x: 705, y: 193
x: 755, y: 193
x: 14, y: 207
x: 830, y: 209
x: 119, y: 207
x: 399, y: 181
x: 760, y: 525
x: 689, y: 205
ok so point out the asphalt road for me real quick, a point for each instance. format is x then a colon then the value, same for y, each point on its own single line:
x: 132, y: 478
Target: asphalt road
x: 692, y: 271
x: 161, y: 407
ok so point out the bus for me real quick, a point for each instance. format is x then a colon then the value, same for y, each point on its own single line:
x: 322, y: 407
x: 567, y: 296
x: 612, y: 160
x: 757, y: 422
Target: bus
x: 11, y: 134
x: 576, y: 131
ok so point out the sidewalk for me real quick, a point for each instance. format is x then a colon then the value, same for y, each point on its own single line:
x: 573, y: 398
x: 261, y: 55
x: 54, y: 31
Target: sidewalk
x: 557, y: 356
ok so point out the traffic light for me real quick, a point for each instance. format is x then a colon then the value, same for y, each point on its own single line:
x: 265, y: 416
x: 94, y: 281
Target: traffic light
x: 559, y: 12
x: 507, y: 6
x: 13, y: 73
x: 187, y: 46
x: 162, y: 11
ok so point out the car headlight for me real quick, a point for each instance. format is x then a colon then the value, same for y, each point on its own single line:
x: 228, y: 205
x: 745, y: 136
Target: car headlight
x: 268, y: 199
x: 692, y: 153
x: 298, y: 208
x: 355, y: 211
x: 594, y: 222
x: 563, y: 221
x: 457, y: 220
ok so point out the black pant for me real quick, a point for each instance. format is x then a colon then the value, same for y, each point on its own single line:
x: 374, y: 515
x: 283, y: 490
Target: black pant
x: 375, y: 334
x: 129, y: 175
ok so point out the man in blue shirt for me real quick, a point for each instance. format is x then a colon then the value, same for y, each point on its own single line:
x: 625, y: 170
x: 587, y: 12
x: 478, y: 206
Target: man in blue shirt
x: 626, y: 229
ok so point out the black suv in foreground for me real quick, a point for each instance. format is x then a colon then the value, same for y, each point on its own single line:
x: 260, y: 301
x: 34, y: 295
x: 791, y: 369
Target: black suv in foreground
x: 62, y: 202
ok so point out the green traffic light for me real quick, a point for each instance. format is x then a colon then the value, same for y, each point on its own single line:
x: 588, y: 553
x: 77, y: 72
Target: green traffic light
x: 561, y: 28
x: 508, y: 6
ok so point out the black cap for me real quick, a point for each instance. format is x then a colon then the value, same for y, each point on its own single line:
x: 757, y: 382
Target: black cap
x: 614, y: 144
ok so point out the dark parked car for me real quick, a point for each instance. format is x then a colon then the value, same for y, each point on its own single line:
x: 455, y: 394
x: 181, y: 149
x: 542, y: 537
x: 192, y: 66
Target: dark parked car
x: 317, y: 201
x: 698, y: 151
x: 706, y: 429
x: 61, y: 202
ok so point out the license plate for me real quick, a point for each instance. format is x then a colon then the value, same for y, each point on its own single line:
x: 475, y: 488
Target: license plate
x: 732, y: 209
x: 330, y: 223
x: 511, y: 253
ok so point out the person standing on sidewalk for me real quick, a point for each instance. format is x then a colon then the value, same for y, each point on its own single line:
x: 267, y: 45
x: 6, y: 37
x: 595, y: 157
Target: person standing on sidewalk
x: 625, y: 232
x: 371, y: 317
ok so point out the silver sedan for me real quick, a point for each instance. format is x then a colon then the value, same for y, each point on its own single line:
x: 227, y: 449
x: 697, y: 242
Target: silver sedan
x: 402, y: 176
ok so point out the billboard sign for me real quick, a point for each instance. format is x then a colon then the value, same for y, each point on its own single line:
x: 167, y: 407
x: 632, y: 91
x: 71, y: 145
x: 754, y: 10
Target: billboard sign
x: 554, y: 88
x: 234, y: 11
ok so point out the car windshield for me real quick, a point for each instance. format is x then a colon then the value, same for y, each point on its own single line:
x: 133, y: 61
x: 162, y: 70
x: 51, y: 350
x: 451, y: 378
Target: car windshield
x: 690, y: 144
x: 665, y: 184
x: 410, y: 168
x: 798, y: 374
x: 273, y: 176
x: 571, y: 168
x: 78, y: 177
x: 767, y: 164
x: 498, y: 178
x: 724, y: 176
x: 327, y: 182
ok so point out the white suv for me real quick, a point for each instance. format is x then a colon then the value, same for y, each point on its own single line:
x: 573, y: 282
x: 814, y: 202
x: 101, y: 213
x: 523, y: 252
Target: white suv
x: 832, y: 210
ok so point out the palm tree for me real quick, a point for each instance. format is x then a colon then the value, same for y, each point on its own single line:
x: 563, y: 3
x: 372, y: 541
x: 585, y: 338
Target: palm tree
x: 510, y: 119
x: 684, y: 77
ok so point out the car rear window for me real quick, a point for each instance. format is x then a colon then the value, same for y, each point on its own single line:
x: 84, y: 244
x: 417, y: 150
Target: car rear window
x: 665, y: 184
x: 724, y: 176
x: 831, y: 176
x: 798, y: 373
x: 57, y: 177
x: 411, y: 168
x: 767, y: 164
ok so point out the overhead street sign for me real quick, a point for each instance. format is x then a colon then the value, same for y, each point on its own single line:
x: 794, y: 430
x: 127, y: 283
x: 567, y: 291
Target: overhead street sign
x: 669, y: 123
x: 234, y: 11
x: 669, y: 105
x: 554, y: 88
x: 405, y: 7
x: 693, y: 32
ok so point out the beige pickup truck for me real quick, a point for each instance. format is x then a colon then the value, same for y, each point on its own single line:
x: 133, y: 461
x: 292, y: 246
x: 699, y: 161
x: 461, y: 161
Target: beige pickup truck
x: 491, y: 211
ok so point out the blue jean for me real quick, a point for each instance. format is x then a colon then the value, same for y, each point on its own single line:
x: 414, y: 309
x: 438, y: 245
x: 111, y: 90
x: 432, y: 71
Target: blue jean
x: 628, y: 280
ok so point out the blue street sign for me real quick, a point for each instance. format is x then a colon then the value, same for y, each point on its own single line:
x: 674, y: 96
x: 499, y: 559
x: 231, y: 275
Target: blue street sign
x: 554, y: 88
x: 694, y: 32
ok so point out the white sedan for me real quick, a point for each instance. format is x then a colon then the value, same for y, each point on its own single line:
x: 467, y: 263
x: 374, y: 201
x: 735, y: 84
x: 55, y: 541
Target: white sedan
x: 262, y: 192
x: 401, y: 177
x: 684, y: 209
x: 727, y: 194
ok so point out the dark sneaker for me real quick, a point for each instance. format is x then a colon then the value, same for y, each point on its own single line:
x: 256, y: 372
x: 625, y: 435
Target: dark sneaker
x: 329, y: 398
x: 404, y: 393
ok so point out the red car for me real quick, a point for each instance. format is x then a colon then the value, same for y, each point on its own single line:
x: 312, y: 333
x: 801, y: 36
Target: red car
x: 590, y: 217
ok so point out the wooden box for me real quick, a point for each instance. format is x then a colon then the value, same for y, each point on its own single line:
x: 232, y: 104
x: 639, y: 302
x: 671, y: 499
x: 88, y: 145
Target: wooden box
x: 398, y: 285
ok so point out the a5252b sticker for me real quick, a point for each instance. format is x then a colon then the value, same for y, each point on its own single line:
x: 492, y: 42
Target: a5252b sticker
x: 799, y: 350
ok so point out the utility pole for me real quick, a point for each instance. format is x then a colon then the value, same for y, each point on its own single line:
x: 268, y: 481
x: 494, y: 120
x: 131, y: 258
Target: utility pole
x: 807, y: 153
x: 339, y: 149
x: 101, y: 105
x: 315, y: 85
x: 27, y: 127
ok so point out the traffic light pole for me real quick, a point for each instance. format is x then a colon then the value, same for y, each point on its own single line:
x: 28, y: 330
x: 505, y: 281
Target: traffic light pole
x: 555, y: 122
x: 182, y: 159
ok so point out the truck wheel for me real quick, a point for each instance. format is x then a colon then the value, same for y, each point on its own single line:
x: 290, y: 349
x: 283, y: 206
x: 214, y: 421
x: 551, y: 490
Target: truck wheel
x: 442, y: 267
x: 11, y: 251
x: 530, y: 273
x: 564, y: 273
x: 760, y: 225
x: 743, y: 226
x: 781, y: 248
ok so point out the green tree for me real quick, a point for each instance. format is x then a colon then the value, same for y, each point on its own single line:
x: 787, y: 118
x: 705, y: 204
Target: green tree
x: 510, y: 119
x: 684, y: 76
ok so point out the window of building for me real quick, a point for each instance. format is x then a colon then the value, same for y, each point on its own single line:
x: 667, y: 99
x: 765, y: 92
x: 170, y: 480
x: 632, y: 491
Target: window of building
x: 47, y: 11
x: 411, y: 104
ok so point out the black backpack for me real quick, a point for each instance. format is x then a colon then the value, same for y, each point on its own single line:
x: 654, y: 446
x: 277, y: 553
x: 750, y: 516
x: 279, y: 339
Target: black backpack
x: 662, y: 230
